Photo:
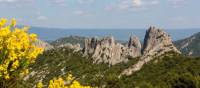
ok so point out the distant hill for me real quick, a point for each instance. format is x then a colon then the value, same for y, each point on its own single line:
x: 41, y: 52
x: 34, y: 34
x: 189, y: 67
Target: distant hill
x: 189, y: 46
x: 70, y: 39
x: 74, y: 40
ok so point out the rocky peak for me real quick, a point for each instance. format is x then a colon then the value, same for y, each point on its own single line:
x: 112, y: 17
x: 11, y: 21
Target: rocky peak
x: 108, y: 41
x: 90, y: 45
x: 133, y: 49
x: 134, y: 42
x: 106, y: 50
x: 156, y: 43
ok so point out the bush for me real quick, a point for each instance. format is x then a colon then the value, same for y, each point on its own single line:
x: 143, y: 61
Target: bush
x: 17, y: 52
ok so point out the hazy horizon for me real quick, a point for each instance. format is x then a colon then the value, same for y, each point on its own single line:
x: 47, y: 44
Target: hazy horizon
x: 119, y: 34
x: 145, y: 28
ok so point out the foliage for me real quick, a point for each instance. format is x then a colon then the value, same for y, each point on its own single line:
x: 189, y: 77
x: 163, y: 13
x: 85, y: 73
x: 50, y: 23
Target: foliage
x: 81, y: 67
x: 17, y: 52
x: 70, y: 82
x: 163, y: 72
x: 175, y: 71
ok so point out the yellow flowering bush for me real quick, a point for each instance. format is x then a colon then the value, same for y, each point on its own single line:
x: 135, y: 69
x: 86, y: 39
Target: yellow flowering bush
x: 17, y: 50
x: 70, y: 82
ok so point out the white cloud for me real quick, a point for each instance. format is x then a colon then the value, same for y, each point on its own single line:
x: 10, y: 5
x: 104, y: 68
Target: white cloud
x: 137, y: 3
x: 133, y: 5
x: 82, y: 13
x: 42, y: 17
x: 9, y: 1
x: 154, y: 2
x: 177, y: 3
x: 124, y: 5
x: 16, y: 1
x: 85, y: 1
x: 59, y: 2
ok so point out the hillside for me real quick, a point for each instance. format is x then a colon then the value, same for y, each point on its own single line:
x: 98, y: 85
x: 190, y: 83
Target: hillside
x: 70, y: 39
x: 189, y: 46
x: 168, y: 71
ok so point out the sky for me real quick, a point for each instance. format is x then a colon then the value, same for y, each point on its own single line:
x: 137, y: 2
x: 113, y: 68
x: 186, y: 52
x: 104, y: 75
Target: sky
x: 102, y: 14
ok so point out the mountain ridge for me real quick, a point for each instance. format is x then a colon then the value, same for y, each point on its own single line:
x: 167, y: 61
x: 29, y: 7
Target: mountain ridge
x: 189, y: 45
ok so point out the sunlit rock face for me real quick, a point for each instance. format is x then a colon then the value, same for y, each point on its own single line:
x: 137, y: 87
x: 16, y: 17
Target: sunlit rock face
x: 106, y: 50
x: 156, y: 43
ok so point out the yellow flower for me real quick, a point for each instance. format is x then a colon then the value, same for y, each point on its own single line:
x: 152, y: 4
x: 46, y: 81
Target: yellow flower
x: 33, y: 37
x: 15, y: 64
x: 1, y: 68
x: 7, y: 76
x: 60, y: 83
x: 18, y: 48
x: 25, y: 28
x: 3, y: 21
x: 4, y: 31
x: 69, y: 77
x: 13, y: 22
x: 40, y: 85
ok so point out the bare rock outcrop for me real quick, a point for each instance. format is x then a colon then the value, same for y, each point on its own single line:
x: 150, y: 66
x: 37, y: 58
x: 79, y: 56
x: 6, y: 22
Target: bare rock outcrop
x: 156, y: 43
x: 134, y: 47
x: 108, y: 51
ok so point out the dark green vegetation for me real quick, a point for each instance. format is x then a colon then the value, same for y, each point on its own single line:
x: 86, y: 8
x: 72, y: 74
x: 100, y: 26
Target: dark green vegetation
x: 189, y: 46
x: 170, y: 71
x: 174, y: 71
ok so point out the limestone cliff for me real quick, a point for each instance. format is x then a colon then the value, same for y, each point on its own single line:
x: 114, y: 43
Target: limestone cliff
x: 156, y: 43
x: 106, y: 50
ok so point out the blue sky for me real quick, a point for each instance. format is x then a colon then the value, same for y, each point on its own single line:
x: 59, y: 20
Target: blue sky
x: 169, y: 14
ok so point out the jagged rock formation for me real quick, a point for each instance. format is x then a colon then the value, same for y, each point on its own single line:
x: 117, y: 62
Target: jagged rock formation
x: 134, y: 47
x: 156, y: 43
x: 108, y: 51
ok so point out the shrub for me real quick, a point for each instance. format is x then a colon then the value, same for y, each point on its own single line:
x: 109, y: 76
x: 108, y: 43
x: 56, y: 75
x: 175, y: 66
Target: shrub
x: 70, y: 82
x: 17, y: 52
